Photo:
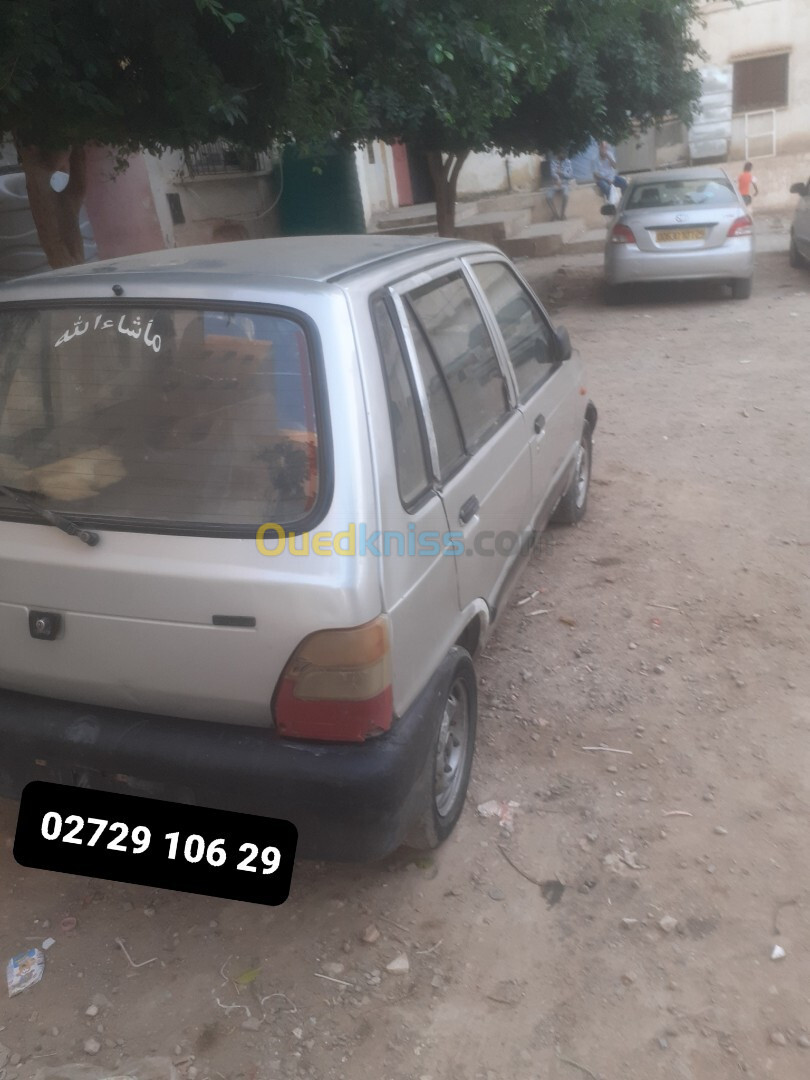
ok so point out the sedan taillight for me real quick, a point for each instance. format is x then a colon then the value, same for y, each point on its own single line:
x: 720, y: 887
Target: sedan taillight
x: 337, y: 685
x: 743, y: 226
x: 621, y: 234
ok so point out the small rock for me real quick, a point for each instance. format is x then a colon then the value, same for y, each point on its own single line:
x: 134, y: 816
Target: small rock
x: 662, y: 1042
x: 632, y: 645
x: 668, y: 924
x: 298, y: 1032
x: 253, y: 1023
x: 496, y: 894
x: 149, y: 912
x: 612, y: 769
x: 778, y: 1039
x: 91, y: 1010
x: 370, y: 935
x: 54, y: 1032
x: 629, y: 978
x: 91, y: 1046
x: 708, y: 797
x: 332, y: 968
x: 628, y: 924
x: 778, y: 953
x: 804, y: 1042
x: 720, y: 831
x: 659, y: 669
x: 437, y: 982
x: 399, y: 965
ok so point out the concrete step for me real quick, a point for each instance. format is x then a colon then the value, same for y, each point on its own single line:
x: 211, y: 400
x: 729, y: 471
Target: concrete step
x: 543, y: 238
x: 512, y: 200
x: 494, y: 227
x: 421, y: 217
x: 592, y: 240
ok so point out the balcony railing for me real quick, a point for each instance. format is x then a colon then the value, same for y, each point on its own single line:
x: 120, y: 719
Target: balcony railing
x: 211, y: 159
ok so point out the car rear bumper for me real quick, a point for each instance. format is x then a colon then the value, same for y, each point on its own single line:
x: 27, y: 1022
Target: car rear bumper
x: 349, y: 802
x: 626, y: 263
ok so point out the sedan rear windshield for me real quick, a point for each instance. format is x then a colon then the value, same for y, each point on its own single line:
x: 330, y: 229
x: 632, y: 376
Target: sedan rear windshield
x: 178, y: 417
x: 692, y: 192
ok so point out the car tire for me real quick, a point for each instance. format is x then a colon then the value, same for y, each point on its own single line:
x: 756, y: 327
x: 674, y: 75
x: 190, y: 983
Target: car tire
x: 796, y: 258
x: 572, y: 506
x: 741, y: 288
x: 613, y: 294
x: 446, y: 775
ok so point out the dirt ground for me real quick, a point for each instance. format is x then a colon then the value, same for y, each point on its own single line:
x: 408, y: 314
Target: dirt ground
x: 670, y: 627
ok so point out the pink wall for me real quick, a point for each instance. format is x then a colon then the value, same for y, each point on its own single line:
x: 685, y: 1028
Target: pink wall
x: 121, y: 206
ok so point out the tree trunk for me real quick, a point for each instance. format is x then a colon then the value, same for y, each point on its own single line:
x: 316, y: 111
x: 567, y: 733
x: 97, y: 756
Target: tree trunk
x: 444, y: 170
x: 56, y: 213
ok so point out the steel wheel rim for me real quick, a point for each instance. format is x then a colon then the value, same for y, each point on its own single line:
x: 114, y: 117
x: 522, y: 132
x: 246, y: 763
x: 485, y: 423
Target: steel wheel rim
x: 451, y: 748
x: 583, y: 475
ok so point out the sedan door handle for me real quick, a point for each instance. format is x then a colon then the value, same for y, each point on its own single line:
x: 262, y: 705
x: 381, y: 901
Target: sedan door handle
x: 468, y: 510
x: 539, y: 423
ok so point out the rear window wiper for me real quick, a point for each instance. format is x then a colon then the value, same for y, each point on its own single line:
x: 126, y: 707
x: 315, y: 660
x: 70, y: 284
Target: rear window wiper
x: 59, y: 521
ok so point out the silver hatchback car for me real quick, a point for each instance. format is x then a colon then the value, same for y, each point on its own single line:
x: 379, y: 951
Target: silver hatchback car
x: 260, y: 505
x: 680, y: 225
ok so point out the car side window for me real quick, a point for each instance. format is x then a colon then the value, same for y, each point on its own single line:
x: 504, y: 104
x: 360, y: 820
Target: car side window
x: 459, y: 340
x: 409, y: 453
x: 529, y: 339
x: 449, y: 444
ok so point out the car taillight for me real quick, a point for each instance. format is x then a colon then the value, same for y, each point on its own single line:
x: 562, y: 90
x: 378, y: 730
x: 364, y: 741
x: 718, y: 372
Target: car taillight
x: 621, y: 234
x: 337, y: 685
x: 743, y: 226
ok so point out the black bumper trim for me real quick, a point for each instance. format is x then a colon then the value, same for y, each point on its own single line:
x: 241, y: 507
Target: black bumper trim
x: 349, y: 802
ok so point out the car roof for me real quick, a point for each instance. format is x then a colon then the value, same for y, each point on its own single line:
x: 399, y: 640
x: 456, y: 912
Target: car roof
x: 704, y: 172
x: 307, y: 258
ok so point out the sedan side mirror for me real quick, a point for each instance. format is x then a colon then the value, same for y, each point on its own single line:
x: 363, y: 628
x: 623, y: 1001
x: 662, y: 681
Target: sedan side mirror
x: 563, y: 343
x: 609, y: 210
x: 798, y: 189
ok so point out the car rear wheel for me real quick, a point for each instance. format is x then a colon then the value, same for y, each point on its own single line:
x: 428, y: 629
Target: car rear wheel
x: 741, y: 288
x: 613, y: 294
x: 796, y: 259
x: 446, y: 776
x: 574, y: 502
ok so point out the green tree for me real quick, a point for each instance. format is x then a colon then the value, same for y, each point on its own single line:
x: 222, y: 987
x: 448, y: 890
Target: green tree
x: 153, y: 74
x: 513, y: 75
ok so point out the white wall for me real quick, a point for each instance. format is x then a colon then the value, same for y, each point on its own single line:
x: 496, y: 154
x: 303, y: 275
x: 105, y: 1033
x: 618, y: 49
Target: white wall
x: 212, y: 201
x: 376, y: 178
x: 484, y: 173
x: 757, y: 28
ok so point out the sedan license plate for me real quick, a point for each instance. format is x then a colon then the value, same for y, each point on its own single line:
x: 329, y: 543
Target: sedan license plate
x: 668, y: 236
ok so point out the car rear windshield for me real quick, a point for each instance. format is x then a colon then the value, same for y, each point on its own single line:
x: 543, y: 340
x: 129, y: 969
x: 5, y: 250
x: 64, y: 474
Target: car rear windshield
x: 692, y: 192
x: 175, y: 416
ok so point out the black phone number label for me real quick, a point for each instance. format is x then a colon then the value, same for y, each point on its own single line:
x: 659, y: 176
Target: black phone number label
x: 151, y: 842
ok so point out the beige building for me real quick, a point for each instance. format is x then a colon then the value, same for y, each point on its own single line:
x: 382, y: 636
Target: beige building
x: 762, y: 52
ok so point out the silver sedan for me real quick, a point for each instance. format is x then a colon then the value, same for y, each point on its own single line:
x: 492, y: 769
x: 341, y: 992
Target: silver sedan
x: 680, y: 225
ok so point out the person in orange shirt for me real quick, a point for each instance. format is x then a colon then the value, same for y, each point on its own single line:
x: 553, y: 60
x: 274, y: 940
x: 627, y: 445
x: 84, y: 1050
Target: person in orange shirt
x: 747, y: 184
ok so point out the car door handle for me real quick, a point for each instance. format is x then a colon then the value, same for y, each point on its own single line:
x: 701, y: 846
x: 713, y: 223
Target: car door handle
x: 468, y: 510
x: 539, y: 424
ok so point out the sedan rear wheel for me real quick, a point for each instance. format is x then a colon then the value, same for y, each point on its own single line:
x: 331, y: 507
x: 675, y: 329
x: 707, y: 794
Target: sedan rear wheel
x: 741, y: 288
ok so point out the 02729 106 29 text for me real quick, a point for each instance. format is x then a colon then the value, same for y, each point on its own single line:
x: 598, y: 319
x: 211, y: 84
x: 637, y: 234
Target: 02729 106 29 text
x: 146, y: 841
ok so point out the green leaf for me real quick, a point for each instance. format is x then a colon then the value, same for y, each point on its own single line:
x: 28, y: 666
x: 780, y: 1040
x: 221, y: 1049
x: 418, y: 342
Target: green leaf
x: 247, y: 977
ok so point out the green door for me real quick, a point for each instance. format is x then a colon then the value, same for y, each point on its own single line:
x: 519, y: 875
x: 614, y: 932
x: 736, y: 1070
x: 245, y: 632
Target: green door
x: 321, y: 193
